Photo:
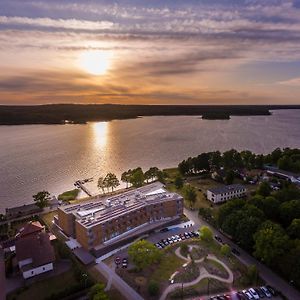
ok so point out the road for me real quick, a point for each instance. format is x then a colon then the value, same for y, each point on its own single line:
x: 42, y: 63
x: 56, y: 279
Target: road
x: 265, y: 273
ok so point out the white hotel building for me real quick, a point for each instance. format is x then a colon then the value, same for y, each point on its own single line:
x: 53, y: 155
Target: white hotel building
x: 227, y: 192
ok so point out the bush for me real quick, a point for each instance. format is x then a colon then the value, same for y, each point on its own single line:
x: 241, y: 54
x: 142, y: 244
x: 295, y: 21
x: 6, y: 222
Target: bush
x: 153, y: 288
x: 184, y: 249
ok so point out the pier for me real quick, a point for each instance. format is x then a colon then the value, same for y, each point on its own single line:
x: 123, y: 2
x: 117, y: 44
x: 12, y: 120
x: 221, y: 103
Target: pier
x: 80, y: 184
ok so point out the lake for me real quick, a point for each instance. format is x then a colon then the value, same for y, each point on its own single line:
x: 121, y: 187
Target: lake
x: 53, y: 157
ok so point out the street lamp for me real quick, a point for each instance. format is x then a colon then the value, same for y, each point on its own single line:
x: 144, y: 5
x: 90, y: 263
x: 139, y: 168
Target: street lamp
x: 85, y: 276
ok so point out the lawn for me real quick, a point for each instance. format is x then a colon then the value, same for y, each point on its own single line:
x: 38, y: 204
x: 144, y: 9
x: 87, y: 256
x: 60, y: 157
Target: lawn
x: 69, y: 195
x: 42, y: 289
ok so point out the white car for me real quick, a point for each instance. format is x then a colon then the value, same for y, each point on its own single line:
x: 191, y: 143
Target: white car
x: 248, y: 295
x: 254, y: 293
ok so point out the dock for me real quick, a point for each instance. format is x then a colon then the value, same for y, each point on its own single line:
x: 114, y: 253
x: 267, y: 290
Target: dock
x: 80, y: 184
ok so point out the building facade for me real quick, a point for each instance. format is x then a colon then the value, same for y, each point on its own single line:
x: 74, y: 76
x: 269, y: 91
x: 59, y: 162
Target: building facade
x: 110, y: 219
x: 224, y: 193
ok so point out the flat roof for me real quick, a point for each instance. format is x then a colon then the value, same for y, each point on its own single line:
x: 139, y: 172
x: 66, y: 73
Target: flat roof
x: 109, y: 207
x: 226, y: 188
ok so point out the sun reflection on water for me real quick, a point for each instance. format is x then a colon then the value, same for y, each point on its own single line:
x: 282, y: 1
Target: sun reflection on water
x: 100, y: 130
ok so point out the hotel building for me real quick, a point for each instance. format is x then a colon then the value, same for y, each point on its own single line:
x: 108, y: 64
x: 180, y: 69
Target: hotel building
x: 227, y: 192
x: 105, y: 221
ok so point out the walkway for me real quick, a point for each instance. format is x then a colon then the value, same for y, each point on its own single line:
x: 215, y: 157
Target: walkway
x: 203, y: 273
x: 112, y: 278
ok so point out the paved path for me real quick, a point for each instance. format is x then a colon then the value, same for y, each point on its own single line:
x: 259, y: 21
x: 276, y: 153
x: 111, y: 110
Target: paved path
x: 265, y: 273
x: 203, y: 274
x: 127, y: 291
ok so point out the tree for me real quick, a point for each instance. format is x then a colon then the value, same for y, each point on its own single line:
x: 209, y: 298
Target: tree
x: 148, y: 175
x: 178, y: 182
x: 143, y: 254
x: 294, y: 229
x: 229, y: 177
x: 206, y: 234
x: 288, y: 211
x: 111, y: 181
x: 264, y: 189
x: 125, y: 177
x: 225, y: 250
x: 97, y: 292
x: 137, y: 177
x: 101, y: 184
x: 153, y: 288
x: 42, y: 199
x: 271, y: 242
x: 270, y: 206
x: 161, y: 176
x: 190, y: 194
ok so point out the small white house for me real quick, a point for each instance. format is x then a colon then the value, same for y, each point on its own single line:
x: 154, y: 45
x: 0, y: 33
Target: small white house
x: 35, y: 254
x: 227, y: 192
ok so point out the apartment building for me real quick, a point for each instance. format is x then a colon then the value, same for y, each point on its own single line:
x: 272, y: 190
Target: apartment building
x: 227, y: 192
x: 106, y: 220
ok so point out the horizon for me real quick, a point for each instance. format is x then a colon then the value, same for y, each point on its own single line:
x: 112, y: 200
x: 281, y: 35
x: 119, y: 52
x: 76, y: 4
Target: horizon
x: 159, y: 53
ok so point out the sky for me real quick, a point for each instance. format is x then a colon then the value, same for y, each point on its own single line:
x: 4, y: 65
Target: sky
x: 150, y: 51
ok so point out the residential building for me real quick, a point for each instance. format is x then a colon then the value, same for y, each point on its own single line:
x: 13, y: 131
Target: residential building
x: 227, y: 192
x: 34, y: 252
x: 107, y: 220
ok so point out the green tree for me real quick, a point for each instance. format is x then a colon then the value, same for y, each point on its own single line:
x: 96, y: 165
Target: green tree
x: 143, y: 254
x: 111, y: 181
x: 97, y: 292
x: 161, y: 176
x: 153, y: 288
x: 137, y: 177
x: 225, y: 250
x: 271, y: 242
x: 101, y: 184
x: 125, y: 177
x: 288, y: 211
x: 190, y: 194
x: 227, y: 208
x: 42, y: 199
x: 294, y: 229
x: 270, y: 206
x: 148, y: 175
x: 229, y: 177
x: 206, y: 234
x: 264, y: 189
x: 178, y: 182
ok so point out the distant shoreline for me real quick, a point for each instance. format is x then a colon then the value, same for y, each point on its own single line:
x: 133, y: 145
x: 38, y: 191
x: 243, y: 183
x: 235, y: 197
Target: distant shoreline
x: 81, y: 114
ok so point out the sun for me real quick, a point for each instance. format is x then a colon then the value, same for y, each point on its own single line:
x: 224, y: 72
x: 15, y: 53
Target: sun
x: 95, y: 62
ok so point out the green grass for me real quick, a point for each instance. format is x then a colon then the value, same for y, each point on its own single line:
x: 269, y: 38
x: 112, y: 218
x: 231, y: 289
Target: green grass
x: 42, y: 289
x: 69, y: 195
x: 168, y: 265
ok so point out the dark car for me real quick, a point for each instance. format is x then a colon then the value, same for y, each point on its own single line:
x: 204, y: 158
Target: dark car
x: 272, y: 290
x: 235, y: 252
x: 241, y: 296
x: 218, y: 239
x: 260, y: 293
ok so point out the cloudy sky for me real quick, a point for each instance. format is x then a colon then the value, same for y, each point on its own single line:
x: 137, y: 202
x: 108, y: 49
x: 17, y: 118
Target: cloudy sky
x: 150, y: 51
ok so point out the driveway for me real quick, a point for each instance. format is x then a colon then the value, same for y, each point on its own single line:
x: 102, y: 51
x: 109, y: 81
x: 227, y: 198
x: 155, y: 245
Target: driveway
x: 265, y: 273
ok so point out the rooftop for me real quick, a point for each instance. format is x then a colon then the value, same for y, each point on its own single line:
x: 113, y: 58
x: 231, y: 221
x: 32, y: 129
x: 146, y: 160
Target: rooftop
x: 226, y: 188
x: 99, y: 211
x: 37, y: 247
x: 30, y: 228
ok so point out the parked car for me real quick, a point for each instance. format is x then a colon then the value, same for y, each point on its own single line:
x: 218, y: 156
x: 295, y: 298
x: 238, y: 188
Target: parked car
x: 196, y: 233
x: 235, y: 252
x: 254, y: 293
x: 124, y: 263
x: 241, y: 296
x: 272, y: 290
x: 266, y: 291
x: 248, y: 295
x: 260, y: 293
x: 218, y: 239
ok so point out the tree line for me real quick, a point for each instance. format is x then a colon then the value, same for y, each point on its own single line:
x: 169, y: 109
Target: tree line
x: 268, y: 225
x: 286, y: 159
x: 133, y: 177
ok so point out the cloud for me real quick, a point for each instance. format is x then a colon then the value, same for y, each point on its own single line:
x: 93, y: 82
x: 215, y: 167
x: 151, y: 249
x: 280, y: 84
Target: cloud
x: 294, y: 82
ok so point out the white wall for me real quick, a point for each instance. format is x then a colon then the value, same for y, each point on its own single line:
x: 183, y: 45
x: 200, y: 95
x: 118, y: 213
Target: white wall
x: 38, y: 270
x: 25, y: 262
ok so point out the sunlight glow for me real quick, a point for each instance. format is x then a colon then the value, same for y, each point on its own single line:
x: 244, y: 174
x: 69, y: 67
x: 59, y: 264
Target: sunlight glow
x: 100, y: 134
x: 95, y: 62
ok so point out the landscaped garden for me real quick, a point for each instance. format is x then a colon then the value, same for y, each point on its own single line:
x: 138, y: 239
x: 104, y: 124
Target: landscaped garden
x: 197, y: 263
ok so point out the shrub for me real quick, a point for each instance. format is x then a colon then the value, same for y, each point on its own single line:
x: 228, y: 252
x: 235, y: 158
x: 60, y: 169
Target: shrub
x: 153, y: 288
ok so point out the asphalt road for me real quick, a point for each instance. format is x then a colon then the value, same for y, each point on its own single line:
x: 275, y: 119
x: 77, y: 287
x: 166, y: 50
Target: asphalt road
x: 265, y: 273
